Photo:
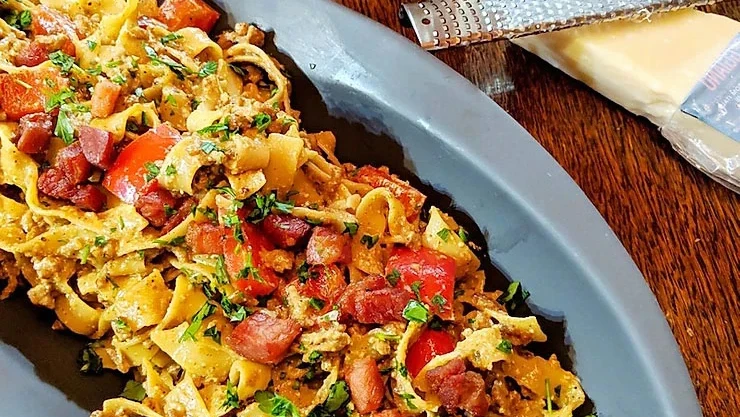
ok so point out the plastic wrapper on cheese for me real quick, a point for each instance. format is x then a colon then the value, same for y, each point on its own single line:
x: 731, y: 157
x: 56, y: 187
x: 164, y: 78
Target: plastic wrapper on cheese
x: 677, y: 69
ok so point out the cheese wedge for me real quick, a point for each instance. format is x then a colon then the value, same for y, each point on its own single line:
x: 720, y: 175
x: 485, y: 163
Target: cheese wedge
x: 648, y: 67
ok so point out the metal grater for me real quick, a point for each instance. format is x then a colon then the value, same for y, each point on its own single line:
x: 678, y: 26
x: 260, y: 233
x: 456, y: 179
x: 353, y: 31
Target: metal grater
x: 441, y: 24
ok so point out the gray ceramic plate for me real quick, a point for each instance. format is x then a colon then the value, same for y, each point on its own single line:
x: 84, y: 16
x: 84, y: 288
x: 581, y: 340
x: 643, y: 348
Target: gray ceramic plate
x: 391, y: 103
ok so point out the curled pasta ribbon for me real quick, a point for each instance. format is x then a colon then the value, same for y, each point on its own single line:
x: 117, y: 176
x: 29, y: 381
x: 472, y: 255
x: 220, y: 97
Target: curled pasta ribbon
x: 245, y: 52
x: 123, y: 407
x: 249, y: 377
x: 142, y: 114
x: 185, y: 396
x: 452, y: 245
x: 526, y: 328
x: 381, y: 217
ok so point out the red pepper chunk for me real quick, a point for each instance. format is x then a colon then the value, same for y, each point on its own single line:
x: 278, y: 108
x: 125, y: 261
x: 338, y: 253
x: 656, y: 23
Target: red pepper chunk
x: 430, y: 344
x: 178, y: 14
x: 127, y: 176
x: 425, y: 272
x: 25, y: 92
x: 409, y: 196
x: 244, y: 262
x: 325, y: 283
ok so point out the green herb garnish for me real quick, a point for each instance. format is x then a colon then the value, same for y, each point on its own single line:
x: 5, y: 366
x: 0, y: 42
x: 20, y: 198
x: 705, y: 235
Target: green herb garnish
x: 416, y: 311
x: 206, y: 310
x: 134, y: 391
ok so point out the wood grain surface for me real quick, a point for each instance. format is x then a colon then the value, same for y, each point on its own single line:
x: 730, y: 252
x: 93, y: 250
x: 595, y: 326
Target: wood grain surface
x: 679, y: 226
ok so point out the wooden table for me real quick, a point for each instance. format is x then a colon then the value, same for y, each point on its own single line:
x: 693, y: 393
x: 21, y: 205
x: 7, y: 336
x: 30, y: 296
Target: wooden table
x: 679, y: 226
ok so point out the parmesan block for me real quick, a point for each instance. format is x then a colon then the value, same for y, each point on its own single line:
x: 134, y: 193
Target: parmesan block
x: 651, y: 67
x: 647, y: 67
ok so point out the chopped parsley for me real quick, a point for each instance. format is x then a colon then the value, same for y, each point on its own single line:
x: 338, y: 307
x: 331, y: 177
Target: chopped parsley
x: 58, y: 98
x: 264, y: 204
x: 209, y: 213
x: 504, y: 346
x: 91, y: 44
x: 170, y: 37
x: 387, y: 337
x: 120, y: 324
x: 317, y: 303
x: 304, y: 273
x: 169, y: 211
x: 222, y: 276
x: 118, y: 79
x: 462, y: 234
x: 416, y: 288
x: 232, y: 398
x: 351, y: 228
x: 63, y: 61
x: 548, y: 398
x: 152, y: 171
x: 175, y: 241
x: 206, y: 310
x: 170, y: 170
x: 416, y: 311
x: 134, y: 391
x: 444, y: 234
x: 234, y: 312
x: 84, y: 254
x: 209, y: 68
x: 314, y: 222
x: 208, y: 147
x: 64, y: 128
x: 213, y: 333
x: 393, y: 277
x: 113, y: 64
x: 217, y: 128
x: 314, y: 356
x: 232, y: 221
x: 408, y: 397
x: 100, y: 241
x: 176, y: 67
x: 89, y: 361
x: 249, y: 269
x: 337, y: 399
x: 261, y: 121
x: 20, y: 21
x: 514, y: 297
x: 402, y: 370
x: 96, y: 70
x: 369, y: 241
x: 170, y: 99
x: 276, y: 405
x: 438, y: 300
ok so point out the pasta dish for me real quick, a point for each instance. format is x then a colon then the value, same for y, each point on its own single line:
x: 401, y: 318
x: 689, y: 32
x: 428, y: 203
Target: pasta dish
x: 158, y: 193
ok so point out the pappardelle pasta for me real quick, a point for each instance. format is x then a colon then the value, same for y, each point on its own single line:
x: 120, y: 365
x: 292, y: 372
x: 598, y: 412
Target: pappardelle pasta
x: 158, y: 193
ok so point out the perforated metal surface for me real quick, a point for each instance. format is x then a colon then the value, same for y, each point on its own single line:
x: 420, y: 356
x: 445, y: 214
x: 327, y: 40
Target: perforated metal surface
x: 441, y: 24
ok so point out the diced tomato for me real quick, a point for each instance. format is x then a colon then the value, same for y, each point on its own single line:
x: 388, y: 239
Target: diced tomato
x: 431, y: 343
x: 427, y: 271
x: 237, y: 257
x: 104, y: 98
x: 325, y: 283
x: 285, y: 230
x: 97, y: 145
x: 127, y: 175
x: 326, y: 247
x: 178, y: 14
x: 263, y: 338
x: 365, y: 385
x: 47, y: 21
x: 32, y: 55
x: 206, y: 238
x: 409, y: 196
x: 371, y: 301
x: 25, y: 92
